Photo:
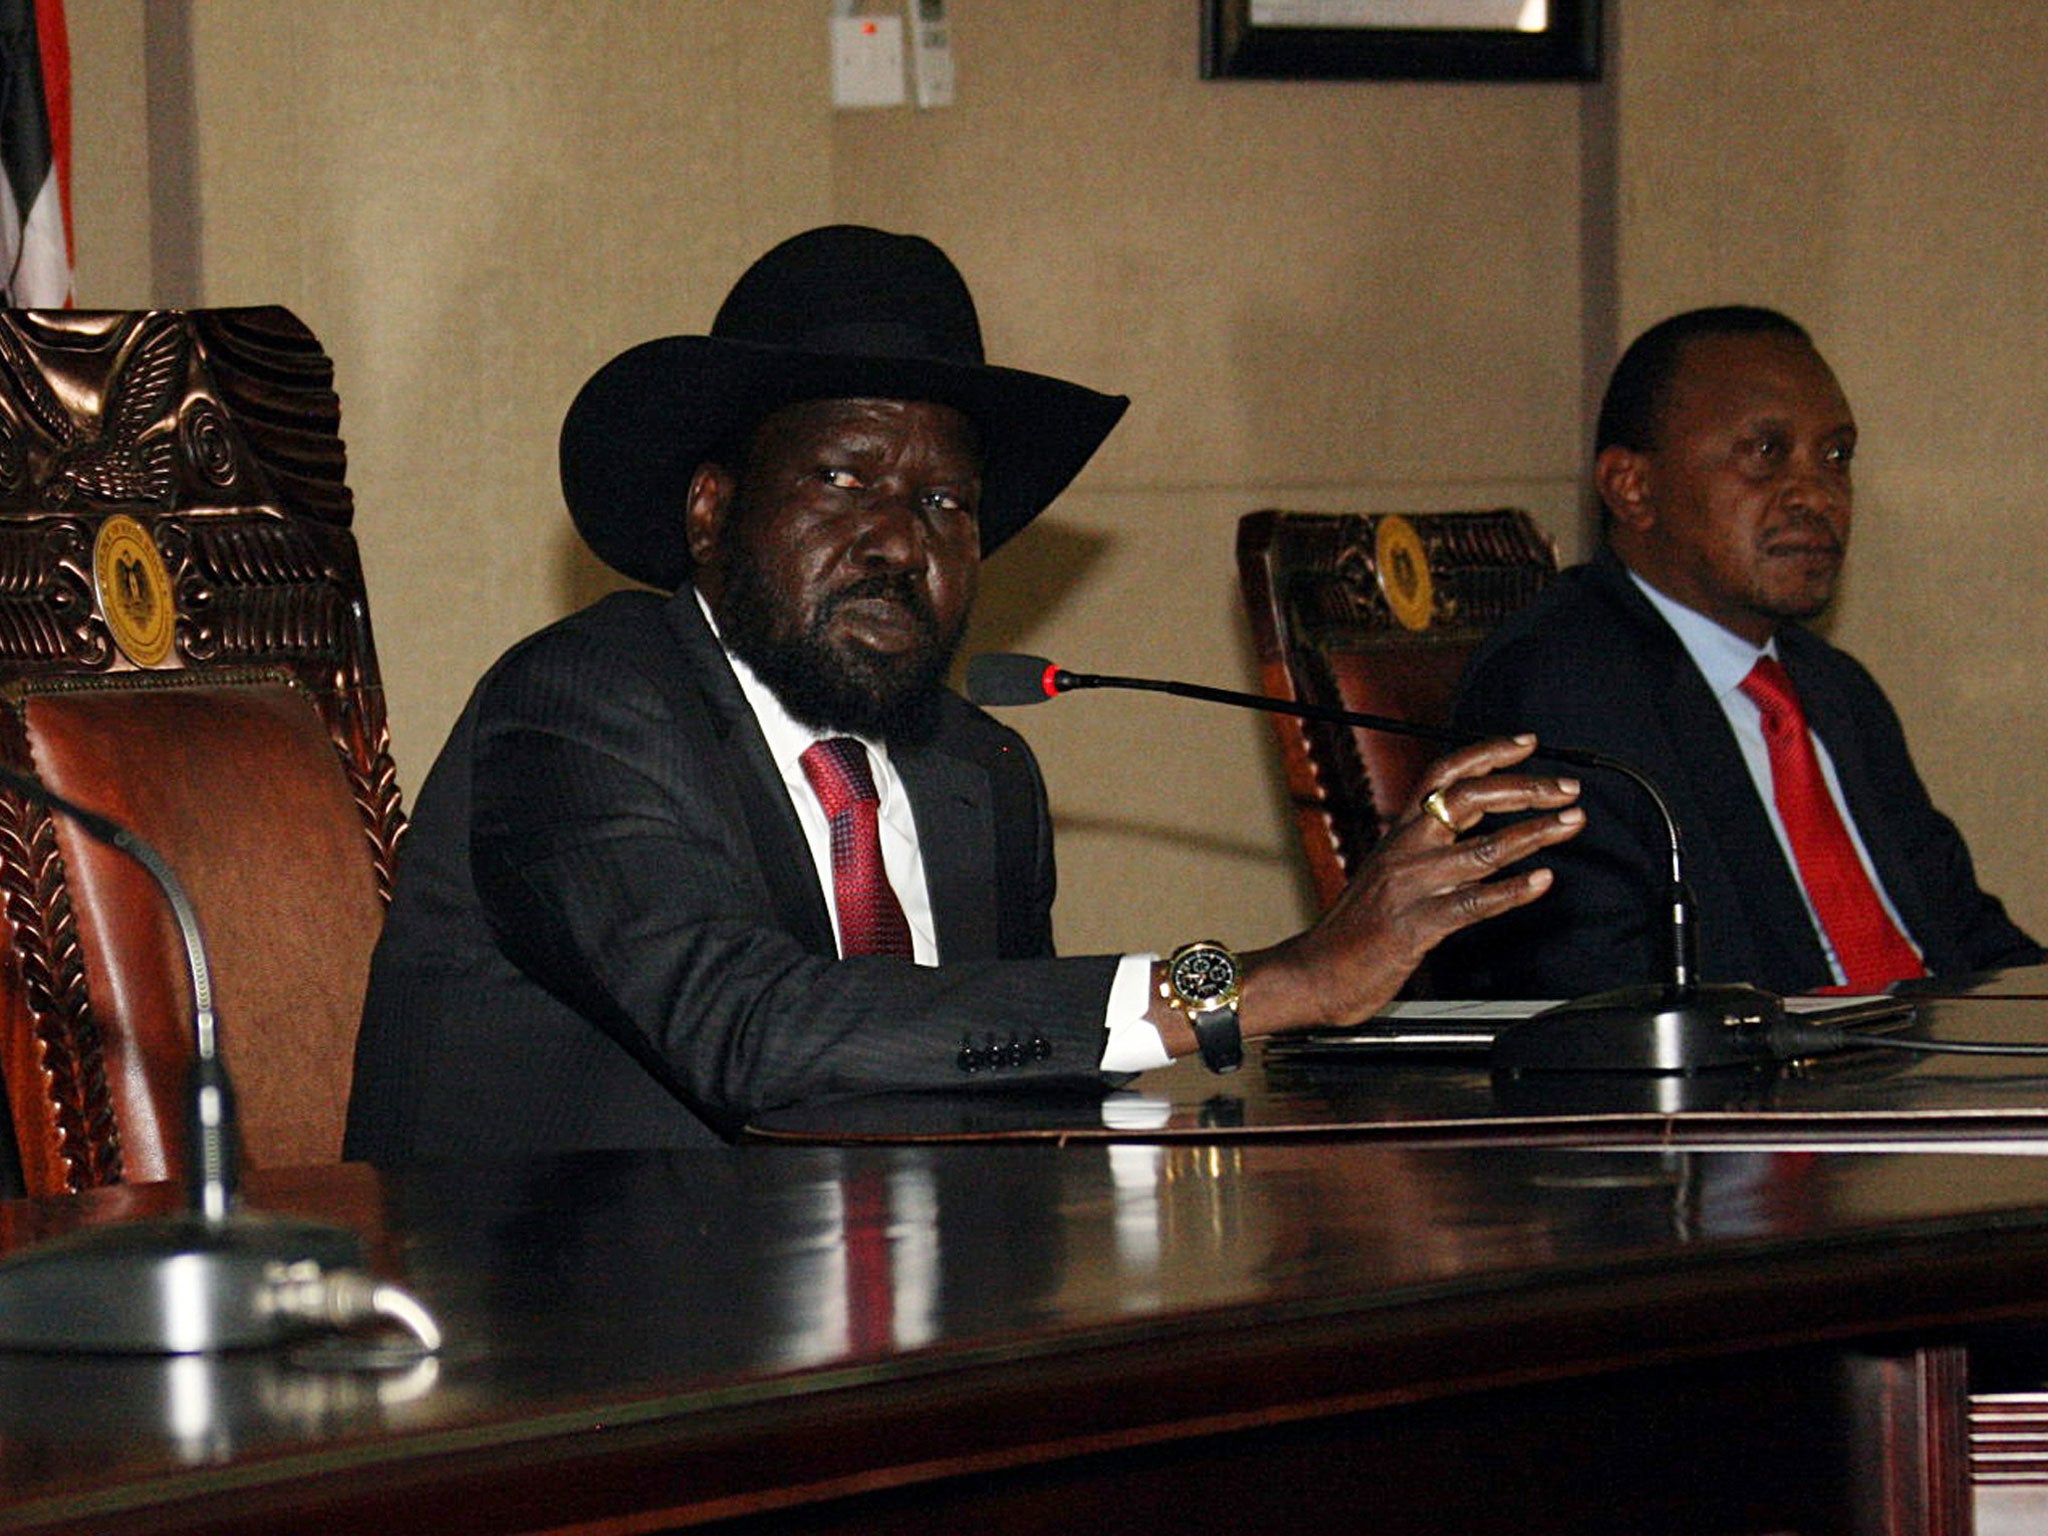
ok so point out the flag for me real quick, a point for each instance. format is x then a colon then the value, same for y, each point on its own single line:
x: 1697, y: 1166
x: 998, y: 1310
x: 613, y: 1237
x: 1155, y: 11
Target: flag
x: 35, y: 155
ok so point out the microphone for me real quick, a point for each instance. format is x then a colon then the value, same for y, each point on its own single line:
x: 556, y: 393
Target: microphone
x: 1677, y: 1025
x: 214, y: 1277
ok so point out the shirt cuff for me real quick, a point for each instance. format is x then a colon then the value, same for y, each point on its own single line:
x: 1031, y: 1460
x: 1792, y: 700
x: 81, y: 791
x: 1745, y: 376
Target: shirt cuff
x: 1134, y: 1042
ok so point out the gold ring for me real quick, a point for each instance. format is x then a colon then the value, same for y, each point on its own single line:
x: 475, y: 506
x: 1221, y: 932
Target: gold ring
x: 1433, y: 802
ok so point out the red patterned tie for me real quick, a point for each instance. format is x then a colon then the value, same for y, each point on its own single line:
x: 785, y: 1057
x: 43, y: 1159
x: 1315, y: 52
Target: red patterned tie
x: 1867, y: 943
x: 871, y: 919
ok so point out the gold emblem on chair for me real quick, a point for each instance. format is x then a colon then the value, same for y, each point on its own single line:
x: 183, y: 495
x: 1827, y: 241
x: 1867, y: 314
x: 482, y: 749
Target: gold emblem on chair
x: 1403, y: 569
x: 134, y: 590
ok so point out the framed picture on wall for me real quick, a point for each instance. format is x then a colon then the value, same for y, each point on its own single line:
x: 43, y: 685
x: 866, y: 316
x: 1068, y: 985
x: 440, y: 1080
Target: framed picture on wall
x: 1401, y: 39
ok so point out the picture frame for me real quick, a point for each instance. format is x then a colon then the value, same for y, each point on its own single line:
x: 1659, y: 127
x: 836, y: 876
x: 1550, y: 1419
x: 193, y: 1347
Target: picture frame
x: 1400, y: 40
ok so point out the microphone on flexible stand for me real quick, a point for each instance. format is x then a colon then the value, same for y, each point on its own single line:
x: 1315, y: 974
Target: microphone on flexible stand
x: 214, y: 1277
x: 1677, y: 1025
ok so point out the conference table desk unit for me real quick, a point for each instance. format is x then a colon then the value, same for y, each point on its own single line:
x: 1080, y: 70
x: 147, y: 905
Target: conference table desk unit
x: 1401, y: 1094
x: 1378, y: 1295
x: 1141, y: 1336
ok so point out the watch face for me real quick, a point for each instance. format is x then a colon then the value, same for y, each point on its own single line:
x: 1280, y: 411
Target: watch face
x: 1203, y: 975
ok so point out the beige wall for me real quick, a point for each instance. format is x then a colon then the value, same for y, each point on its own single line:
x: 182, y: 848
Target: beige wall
x: 1344, y: 295
x: 110, y: 155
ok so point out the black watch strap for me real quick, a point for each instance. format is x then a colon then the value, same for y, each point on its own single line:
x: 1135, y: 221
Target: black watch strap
x: 1221, y: 1042
x: 1201, y: 983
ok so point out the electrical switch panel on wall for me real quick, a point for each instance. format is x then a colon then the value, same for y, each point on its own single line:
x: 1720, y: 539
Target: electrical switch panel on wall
x: 931, y: 53
x: 869, y: 54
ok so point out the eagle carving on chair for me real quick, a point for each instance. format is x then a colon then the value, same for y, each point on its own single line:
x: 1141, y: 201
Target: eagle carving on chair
x: 131, y: 459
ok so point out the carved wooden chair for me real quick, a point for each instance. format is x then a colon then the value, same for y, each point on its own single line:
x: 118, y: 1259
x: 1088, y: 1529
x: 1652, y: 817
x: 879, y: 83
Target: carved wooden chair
x: 185, y: 647
x: 1374, y: 613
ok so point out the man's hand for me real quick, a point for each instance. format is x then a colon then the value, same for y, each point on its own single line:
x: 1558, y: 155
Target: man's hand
x: 1432, y: 874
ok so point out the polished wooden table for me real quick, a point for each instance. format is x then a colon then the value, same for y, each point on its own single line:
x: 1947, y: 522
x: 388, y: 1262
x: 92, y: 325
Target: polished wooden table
x: 1870, y: 1097
x: 1223, y: 1337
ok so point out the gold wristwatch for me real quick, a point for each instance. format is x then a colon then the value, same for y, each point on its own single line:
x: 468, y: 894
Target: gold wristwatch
x: 1203, y: 981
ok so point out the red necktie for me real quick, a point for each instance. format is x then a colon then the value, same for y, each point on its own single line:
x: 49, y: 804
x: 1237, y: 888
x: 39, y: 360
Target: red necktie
x: 1868, y: 945
x: 871, y: 919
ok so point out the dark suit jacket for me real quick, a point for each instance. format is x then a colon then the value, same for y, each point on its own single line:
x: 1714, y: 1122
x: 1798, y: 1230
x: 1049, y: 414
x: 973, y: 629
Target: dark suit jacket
x: 608, y: 930
x: 1592, y: 664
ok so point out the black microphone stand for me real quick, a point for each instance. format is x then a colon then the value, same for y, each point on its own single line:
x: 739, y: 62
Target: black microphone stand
x: 1677, y: 1025
x: 213, y: 1277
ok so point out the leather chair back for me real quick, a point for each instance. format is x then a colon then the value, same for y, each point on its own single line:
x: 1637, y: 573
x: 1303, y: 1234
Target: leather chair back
x: 1377, y: 613
x: 184, y: 647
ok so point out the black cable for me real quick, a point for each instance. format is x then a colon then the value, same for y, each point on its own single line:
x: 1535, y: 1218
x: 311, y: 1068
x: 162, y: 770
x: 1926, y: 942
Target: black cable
x: 1792, y: 1039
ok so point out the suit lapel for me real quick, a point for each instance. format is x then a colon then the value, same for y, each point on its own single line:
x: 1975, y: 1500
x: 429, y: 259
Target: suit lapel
x: 1726, y: 832
x: 951, y: 802
x: 759, y: 799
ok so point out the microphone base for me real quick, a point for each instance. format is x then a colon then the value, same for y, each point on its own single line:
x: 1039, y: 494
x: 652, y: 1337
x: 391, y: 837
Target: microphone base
x: 1663, y: 1029
x: 174, y: 1285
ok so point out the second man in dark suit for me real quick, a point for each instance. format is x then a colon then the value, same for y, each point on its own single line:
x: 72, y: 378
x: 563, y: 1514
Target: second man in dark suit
x: 1816, y: 857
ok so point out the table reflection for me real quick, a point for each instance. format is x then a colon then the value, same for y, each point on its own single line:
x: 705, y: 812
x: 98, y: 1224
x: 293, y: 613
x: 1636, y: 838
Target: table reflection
x: 591, y: 1283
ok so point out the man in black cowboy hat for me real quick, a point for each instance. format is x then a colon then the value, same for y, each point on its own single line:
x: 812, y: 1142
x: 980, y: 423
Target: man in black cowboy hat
x: 686, y: 858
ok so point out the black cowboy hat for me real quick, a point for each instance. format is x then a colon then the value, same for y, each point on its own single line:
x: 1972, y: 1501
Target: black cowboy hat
x: 842, y: 312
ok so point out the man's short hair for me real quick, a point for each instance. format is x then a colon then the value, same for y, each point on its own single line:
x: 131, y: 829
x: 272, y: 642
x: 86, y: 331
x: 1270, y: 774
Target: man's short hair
x: 1634, y: 402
